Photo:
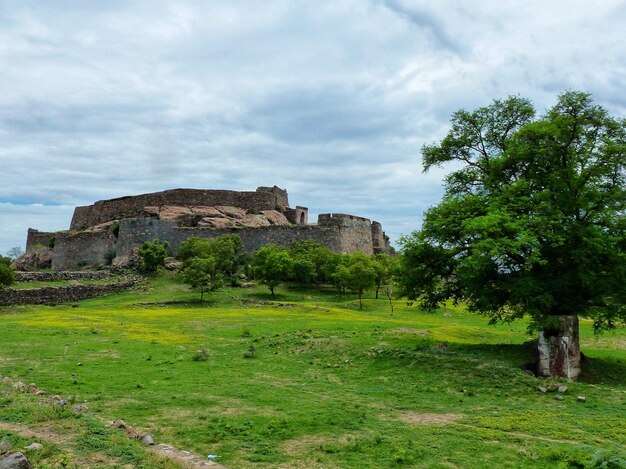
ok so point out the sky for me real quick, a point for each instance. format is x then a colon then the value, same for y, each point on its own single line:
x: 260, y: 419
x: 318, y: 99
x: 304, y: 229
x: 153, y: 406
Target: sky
x: 331, y: 100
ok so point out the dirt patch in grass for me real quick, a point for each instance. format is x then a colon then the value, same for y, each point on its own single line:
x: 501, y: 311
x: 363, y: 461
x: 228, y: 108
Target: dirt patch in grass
x: 415, y: 418
x: 408, y: 330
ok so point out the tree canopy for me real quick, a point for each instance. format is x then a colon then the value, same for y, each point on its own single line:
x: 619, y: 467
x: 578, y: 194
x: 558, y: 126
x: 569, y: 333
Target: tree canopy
x: 533, y: 220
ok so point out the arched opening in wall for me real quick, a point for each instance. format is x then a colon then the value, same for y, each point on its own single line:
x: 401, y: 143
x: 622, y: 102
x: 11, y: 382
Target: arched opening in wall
x: 302, y: 218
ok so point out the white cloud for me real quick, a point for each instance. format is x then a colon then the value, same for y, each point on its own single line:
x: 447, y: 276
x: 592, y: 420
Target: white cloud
x: 331, y: 100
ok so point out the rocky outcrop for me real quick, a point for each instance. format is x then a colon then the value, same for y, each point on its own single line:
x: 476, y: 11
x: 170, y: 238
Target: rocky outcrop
x: 36, y: 259
x: 220, y: 216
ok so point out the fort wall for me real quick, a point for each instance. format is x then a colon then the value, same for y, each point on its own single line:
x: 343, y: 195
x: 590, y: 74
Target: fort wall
x: 87, y: 244
x: 36, y: 239
x: 134, y: 232
x: 264, y: 198
x: 354, y: 233
x: 74, y: 250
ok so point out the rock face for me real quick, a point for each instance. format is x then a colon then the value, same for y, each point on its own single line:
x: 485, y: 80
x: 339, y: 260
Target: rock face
x: 35, y: 260
x: 559, y: 350
x: 220, y: 216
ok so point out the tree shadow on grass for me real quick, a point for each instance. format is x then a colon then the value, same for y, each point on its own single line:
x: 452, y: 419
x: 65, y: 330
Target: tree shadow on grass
x: 606, y: 371
x: 611, y: 372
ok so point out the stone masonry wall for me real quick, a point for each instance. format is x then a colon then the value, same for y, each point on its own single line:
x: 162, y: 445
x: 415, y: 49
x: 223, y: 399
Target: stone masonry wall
x: 21, y: 276
x: 53, y: 295
x: 134, y: 232
x: 133, y: 206
x: 354, y: 233
x: 73, y: 250
x: 35, y: 239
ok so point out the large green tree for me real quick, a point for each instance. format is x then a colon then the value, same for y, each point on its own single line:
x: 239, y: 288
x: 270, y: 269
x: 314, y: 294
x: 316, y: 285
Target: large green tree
x: 532, y: 221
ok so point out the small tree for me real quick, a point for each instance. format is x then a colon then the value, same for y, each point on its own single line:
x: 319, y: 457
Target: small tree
x: 152, y: 255
x: 7, y: 275
x: 272, y: 265
x: 383, y: 265
x: 202, y: 275
x: 15, y: 252
x: 340, y: 277
x: 360, y: 274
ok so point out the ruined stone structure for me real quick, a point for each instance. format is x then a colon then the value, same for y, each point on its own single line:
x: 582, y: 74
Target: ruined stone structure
x: 112, y: 229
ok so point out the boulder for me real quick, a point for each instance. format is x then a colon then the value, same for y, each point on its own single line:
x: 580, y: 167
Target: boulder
x: 171, y: 263
x: 275, y: 217
x: 5, y: 447
x: 231, y: 212
x: 204, y: 211
x: 254, y: 220
x: 213, y: 222
x: 35, y: 260
x: 146, y: 439
x: 15, y: 460
x: 34, y: 447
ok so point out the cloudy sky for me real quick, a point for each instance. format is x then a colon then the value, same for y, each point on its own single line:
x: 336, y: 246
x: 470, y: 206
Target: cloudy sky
x: 329, y: 99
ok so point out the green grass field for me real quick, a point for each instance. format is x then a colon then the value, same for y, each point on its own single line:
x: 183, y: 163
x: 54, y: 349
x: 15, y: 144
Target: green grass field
x: 308, y: 380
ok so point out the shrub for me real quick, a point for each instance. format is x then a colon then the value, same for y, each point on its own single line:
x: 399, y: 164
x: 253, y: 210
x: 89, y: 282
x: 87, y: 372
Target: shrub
x: 7, y: 276
x: 152, y: 255
x: 201, y: 355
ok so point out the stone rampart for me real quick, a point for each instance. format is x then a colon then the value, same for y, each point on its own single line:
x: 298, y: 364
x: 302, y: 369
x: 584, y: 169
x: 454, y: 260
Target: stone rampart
x: 36, y: 239
x: 264, y: 198
x: 75, y: 250
x: 54, y: 295
x: 134, y: 232
x: 354, y: 233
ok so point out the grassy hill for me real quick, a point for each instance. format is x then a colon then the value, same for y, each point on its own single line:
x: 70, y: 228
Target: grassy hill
x: 308, y: 380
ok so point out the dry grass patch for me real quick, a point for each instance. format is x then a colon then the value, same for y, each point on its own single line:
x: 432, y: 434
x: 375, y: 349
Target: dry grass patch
x: 416, y: 418
x: 408, y: 330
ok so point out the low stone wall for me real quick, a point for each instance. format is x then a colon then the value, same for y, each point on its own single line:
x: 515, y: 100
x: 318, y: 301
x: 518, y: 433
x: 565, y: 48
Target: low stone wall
x: 60, y: 275
x: 53, y: 295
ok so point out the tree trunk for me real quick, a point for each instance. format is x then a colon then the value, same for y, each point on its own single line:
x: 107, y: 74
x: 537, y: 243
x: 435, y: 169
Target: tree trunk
x: 559, y: 349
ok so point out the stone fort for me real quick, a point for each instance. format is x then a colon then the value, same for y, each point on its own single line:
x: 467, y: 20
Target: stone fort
x: 113, y: 229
